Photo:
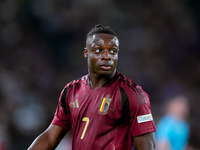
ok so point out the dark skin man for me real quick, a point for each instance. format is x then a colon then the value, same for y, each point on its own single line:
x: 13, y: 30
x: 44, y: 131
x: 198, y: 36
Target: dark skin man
x: 102, y: 56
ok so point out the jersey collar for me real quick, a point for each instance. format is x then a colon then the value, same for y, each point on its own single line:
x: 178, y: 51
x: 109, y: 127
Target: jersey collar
x: 107, y: 83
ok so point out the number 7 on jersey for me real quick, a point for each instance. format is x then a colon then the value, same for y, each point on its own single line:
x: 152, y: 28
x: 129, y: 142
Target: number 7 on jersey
x: 86, y: 125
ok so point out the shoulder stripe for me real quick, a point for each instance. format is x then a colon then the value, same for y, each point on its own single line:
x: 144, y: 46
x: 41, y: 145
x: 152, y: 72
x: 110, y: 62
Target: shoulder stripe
x: 63, y: 98
x: 63, y: 102
x: 143, y: 96
x: 139, y: 100
x: 125, y: 105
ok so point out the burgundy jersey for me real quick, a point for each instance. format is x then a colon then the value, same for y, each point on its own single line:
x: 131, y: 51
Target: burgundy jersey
x: 107, y: 118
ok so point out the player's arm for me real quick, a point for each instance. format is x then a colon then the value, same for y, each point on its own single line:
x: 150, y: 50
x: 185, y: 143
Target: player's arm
x: 49, y: 139
x: 164, y: 145
x: 145, y: 141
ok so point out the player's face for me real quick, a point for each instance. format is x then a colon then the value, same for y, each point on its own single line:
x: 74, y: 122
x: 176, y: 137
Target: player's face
x: 102, y: 54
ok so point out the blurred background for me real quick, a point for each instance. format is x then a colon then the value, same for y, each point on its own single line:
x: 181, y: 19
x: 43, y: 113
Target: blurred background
x: 41, y: 50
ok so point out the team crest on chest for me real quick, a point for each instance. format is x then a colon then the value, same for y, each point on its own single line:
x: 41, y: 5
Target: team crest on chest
x: 104, y: 105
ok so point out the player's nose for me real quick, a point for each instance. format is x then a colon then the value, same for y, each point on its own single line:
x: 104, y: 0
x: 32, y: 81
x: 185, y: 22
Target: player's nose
x: 106, y: 55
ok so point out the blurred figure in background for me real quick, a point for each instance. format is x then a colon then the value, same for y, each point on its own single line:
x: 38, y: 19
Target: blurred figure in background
x: 173, y: 130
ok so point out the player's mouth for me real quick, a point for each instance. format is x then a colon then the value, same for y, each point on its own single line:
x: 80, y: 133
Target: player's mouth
x: 105, y: 67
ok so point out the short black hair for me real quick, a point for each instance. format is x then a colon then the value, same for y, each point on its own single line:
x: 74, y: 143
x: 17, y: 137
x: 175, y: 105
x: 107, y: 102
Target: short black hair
x: 98, y: 29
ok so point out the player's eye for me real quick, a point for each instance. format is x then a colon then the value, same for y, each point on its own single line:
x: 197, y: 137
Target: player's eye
x: 113, y: 51
x: 97, y: 50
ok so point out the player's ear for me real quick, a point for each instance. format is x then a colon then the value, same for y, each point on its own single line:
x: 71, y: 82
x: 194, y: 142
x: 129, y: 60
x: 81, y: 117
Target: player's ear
x: 86, y: 52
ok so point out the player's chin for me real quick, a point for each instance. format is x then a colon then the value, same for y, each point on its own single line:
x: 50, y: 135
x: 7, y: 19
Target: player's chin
x: 106, y: 72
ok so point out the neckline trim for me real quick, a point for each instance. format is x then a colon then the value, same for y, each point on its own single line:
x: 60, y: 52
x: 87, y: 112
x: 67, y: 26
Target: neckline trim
x: 107, y: 83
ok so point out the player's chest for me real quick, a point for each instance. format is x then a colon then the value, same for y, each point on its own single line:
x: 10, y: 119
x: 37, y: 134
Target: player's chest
x: 102, y: 103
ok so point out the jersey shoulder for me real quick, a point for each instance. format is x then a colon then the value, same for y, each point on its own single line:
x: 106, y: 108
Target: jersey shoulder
x: 74, y: 85
x: 132, y: 89
x: 129, y: 83
x: 77, y: 82
x: 126, y: 81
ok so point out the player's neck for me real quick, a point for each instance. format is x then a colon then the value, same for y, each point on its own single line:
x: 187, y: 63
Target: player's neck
x: 97, y: 81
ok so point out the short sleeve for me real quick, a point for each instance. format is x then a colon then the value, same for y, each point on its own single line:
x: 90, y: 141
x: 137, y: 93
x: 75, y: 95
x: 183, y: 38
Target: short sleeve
x: 141, y: 116
x: 62, y: 115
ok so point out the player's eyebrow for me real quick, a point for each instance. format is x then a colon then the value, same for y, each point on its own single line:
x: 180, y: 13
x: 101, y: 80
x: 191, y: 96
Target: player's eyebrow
x: 97, y: 42
x: 114, y: 42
